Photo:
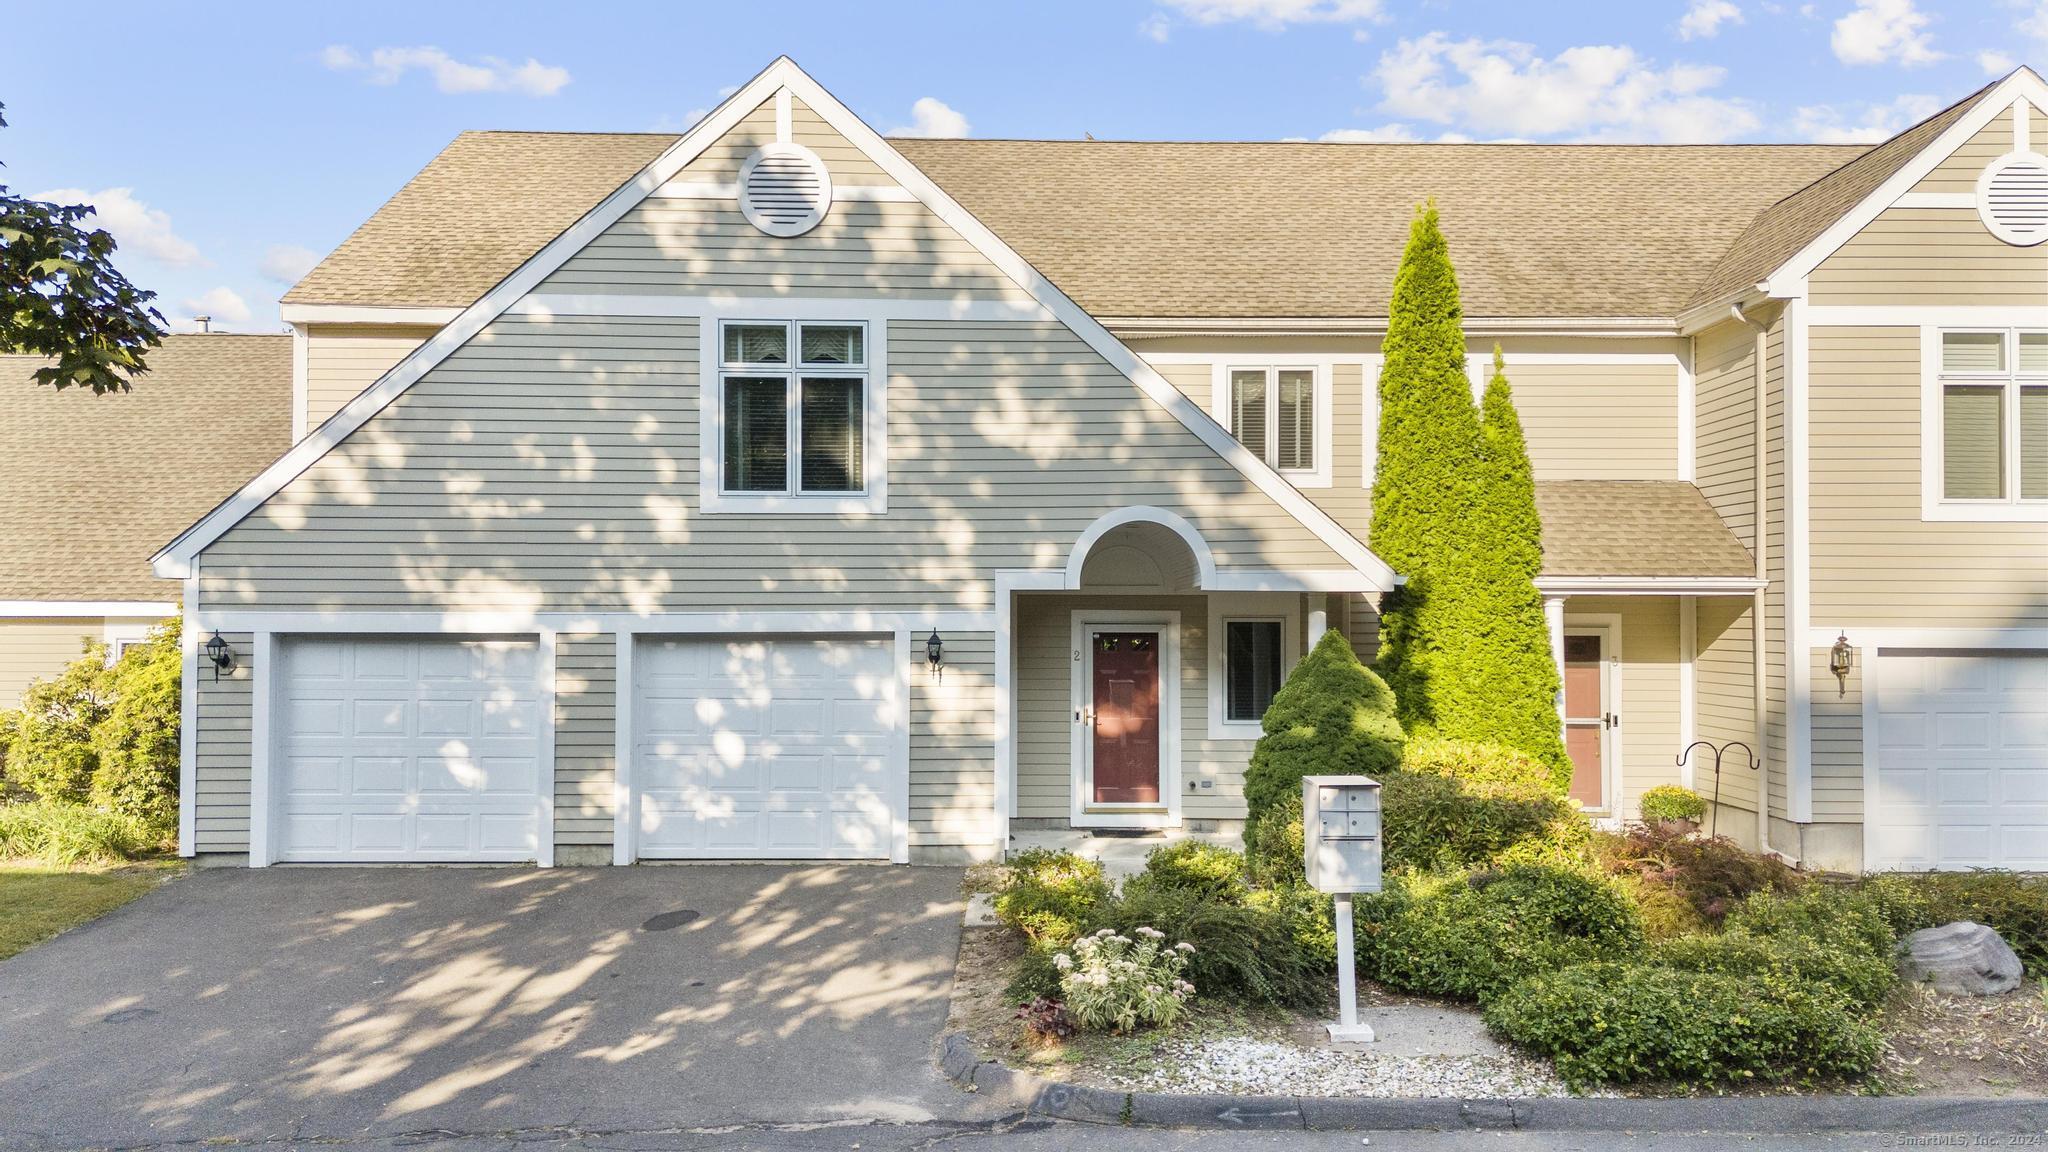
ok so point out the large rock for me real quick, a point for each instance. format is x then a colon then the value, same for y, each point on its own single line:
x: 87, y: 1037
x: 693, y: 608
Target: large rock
x: 1963, y: 958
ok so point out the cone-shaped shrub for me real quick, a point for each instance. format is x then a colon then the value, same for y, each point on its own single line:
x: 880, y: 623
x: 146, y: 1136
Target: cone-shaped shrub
x: 1331, y: 717
x: 1423, y: 484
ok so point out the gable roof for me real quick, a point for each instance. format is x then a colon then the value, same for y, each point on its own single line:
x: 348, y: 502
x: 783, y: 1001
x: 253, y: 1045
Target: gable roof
x: 1780, y: 231
x: 1170, y: 229
x: 176, y: 559
x: 1644, y: 528
x: 90, y: 485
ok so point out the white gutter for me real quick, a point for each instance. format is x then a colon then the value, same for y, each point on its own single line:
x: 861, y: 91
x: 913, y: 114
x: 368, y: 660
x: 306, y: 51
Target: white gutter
x: 1141, y: 327
x: 1759, y: 633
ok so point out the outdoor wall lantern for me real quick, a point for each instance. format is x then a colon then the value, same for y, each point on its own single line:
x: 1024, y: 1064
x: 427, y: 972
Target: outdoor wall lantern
x: 221, y: 654
x: 1841, y: 658
x: 934, y: 652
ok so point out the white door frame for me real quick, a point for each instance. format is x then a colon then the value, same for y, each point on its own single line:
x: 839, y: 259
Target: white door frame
x: 266, y: 735
x: 1607, y: 626
x: 1081, y: 811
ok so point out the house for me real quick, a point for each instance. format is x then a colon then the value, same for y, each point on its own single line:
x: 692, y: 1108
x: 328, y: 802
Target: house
x: 779, y: 490
x: 91, y: 485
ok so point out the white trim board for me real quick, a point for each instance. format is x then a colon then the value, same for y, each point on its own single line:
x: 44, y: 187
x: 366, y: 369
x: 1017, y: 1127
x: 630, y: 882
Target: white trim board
x: 188, y: 720
x: 1824, y: 636
x: 297, y: 314
x: 176, y: 559
x: 1921, y: 315
x: 1798, y: 565
x: 1647, y: 585
x: 544, y: 305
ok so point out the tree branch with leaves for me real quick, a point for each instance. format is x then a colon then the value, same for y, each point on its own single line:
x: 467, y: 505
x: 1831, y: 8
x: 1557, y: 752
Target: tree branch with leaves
x: 62, y: 298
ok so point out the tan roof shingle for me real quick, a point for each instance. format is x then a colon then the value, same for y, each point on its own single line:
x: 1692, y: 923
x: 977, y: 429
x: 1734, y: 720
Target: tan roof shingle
x: 1635, y: 528
x: 91, y: 486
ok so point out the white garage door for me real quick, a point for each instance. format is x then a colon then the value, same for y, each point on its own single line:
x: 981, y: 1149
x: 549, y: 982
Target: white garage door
x: 399, y: 749
x: 765, y: 748
x: 1961, y: 746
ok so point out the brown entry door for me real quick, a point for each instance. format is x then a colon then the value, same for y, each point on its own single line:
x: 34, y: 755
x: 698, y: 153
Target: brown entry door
x: 1126, y: 717
x: 1585, y: 717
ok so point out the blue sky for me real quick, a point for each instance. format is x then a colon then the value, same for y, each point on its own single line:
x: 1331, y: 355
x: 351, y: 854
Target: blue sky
x: 228, y: 146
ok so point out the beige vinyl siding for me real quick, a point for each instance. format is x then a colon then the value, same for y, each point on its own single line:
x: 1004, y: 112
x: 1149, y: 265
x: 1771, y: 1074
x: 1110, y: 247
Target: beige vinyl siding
x: 1596, y: 421
x: 1837, y: 741
x: 1347, y: 499
x: 952, y: 749
x: 222, y: 749
x: 342, y: 360
x: 552, y: 465
x: 1724, y: 709
x: 1649, y: 706
x: 32, y: 650
x: 1195, y: 381
x: 1045, y: 664
x: 1941, y: 256
x: 1875, y: 562
x: 586, y: 755
x: 720, y: 163
x: 1960, y: 170
x: 702, y: 247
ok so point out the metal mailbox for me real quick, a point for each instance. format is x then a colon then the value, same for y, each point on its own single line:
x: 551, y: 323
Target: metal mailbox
x: 1341, y: 833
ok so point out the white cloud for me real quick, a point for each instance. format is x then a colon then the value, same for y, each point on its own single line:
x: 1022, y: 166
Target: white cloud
x: 1384, y: 134
x: 1868, y: 123
x: 287, y: 263
x: 224, y: 307
x: 1703, y: 20
x: 1995, y: 63
x: 1880, y: 31
x: 488, y: 74
x: 931, y: 117
x: 1156, y: 27
x: 2036, y: 23
x: 1273, y: 15
x: 136, y: 226
x: 1494, y: 89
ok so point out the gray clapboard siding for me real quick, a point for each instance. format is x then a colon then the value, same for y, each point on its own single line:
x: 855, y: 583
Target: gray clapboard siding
x: 223, y: 751
x: 1875, y: 562
x: 585, y: 754
x: 952, y: 747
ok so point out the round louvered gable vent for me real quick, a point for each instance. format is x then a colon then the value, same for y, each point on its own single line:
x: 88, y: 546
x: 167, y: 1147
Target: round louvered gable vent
x: 785, y: 189
x: 2012, y: 198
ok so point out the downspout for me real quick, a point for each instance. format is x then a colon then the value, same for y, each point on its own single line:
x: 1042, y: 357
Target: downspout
x: 1758, y: 631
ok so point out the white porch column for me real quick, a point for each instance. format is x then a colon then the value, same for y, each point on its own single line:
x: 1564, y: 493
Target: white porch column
x: 1553, y: 617
x: 1318, y: 618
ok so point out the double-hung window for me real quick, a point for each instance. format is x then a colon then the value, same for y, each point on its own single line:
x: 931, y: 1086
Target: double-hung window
x: 793, y: 399
x: 1993, y: 412
x: 1274, y: 411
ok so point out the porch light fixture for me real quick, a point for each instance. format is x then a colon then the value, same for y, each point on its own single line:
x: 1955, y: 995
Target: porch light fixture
x: 220, y: 654
x: 934, y: 652
x: 1841, y: 658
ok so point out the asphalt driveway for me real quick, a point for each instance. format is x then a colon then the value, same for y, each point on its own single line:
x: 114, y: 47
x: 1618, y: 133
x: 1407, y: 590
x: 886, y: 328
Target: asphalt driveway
x: 334, y: 1003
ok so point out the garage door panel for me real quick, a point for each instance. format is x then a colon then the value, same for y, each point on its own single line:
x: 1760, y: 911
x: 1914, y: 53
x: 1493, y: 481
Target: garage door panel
x: 396, y: 749
x: 1962, y: 760
x: 765, y: 747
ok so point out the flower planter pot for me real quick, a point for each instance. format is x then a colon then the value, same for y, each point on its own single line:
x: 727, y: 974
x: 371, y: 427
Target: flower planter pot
x: 1676, y: 827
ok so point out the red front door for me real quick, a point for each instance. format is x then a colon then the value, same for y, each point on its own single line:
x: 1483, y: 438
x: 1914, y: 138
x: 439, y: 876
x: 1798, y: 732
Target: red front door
x: 1126, y: 736
x: 1585, y: 718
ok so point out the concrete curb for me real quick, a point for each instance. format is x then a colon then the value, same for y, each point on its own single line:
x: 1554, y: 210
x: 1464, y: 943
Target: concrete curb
x: 1918, y: 1116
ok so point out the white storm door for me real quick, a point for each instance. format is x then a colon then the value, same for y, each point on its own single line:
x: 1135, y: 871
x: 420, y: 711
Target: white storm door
x: 766, y: 748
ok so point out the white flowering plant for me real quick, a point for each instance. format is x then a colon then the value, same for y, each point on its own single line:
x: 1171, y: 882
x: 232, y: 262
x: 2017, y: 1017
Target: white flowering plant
x: 1113, y: 982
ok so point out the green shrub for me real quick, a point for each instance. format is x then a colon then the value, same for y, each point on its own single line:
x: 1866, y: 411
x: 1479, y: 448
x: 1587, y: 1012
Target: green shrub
x: 59, y: 832
x: 2015, y: 906
x: 1310, y: 917
x: 52, y: 753
x: 1620, y: 1023
x: 1441, y: 822
x: 1471, y: 935
x: 1476, y: 763
x: 1050, y: 895
x: 1332, y: 717
x: 136, y: 741
x: 1207, y: 870
x: 1863, y: 978
x: 1671, y: 802
x: 1833, y: 915
x: 1250, y: 952
x: 1273, y: 847
x: 1035, y: 977
x: 1666, y: 914
x: 1711, y: 874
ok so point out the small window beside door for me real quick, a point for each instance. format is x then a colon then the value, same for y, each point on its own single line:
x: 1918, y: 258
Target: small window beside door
x: 1253, y: 668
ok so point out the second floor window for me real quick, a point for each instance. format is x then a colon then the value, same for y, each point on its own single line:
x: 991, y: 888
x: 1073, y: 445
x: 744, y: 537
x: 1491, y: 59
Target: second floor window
x: 1273, y: 413
x: 1994, y: 416
x: 793, y: 400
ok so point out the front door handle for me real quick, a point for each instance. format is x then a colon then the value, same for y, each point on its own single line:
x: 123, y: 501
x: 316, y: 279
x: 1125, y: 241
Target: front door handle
x: 1614, y: 719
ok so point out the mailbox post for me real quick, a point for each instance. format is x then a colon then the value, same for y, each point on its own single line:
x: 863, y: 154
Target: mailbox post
x: 1340, y: 826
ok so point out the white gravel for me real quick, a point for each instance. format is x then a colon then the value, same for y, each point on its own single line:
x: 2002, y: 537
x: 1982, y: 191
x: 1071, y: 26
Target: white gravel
x: 1275, y: 1068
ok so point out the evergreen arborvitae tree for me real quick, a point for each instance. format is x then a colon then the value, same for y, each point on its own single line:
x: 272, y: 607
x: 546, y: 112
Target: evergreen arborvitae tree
x: 1518, y: 703
x: 1332, y: 717
x: 1423, y: 485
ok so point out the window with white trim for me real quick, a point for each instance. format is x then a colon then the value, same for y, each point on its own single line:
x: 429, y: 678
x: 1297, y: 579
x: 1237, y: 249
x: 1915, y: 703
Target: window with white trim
x: 1273, y: 413
x: 1993, y: 411
x: 1253, y: 667
x: 793, y: 399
